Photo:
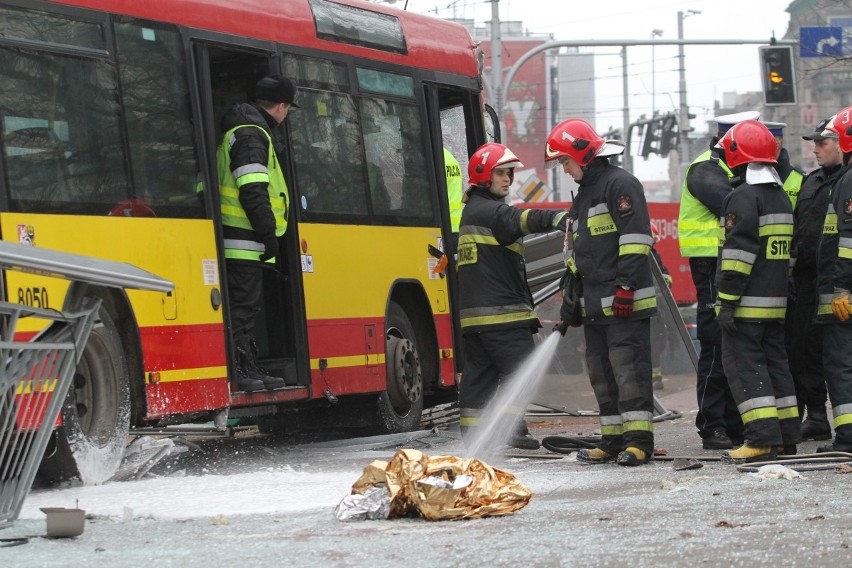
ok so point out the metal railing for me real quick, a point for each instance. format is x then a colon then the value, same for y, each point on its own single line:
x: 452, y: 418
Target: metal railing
x: 36, y: 374
x: 35, y: 377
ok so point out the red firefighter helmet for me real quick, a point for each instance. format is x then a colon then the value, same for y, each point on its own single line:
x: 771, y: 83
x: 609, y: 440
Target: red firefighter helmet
x: 574, y: 138
x: 486, y: 158
x: 841, y: 123
x: 747, y: 142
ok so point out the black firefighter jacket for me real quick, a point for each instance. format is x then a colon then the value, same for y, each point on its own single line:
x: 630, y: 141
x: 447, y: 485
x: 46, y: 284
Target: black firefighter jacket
x: 808, y: 220
x: 834, y: 262
x: 611, y: 234
x: 755, y: 255
x: 493, y: 291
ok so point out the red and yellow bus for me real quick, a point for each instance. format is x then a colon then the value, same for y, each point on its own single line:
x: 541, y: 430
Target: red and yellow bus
x: 109, y: 122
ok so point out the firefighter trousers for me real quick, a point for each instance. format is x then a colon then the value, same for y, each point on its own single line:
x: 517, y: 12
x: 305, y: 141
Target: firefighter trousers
x: 618, y: 357
x: 804, y: 344
x: 837, y: 358
x: 490, y: 359
x: 755, y: 361
x: 716, y: 407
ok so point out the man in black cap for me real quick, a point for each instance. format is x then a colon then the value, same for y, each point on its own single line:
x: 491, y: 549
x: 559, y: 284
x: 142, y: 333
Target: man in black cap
x: 255, y: 206
x: 804, y: 336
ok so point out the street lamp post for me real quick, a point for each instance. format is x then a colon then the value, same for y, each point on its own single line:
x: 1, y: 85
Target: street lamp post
x: 497, y: 58
x: 654, y: 34
x: 683, y: 123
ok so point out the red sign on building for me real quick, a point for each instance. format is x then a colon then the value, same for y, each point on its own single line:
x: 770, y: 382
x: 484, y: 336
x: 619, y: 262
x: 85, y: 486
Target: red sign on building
x: 526, y: 103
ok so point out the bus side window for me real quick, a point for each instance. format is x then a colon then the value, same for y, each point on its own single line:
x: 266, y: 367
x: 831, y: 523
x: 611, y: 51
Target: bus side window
x: 328, y: 155
x: 394, y: 147
x: 35, y: 162
x: 153, y: 75
x: 61, y: 129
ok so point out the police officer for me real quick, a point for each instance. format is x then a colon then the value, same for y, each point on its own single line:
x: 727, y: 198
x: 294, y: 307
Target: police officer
x: 454, y: 189
x: 833, y: 286
x: 791, y: 176
x: 255, y: 203
x: 705, y: 186
x: 609, y: 249
x: 804, y: 336
x: 496, y: 306
x: 455, y: 195
x: 752, y: 282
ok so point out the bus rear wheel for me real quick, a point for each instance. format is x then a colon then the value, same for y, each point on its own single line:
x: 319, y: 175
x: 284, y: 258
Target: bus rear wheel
x: 400, y: 407
x: 90, y: 443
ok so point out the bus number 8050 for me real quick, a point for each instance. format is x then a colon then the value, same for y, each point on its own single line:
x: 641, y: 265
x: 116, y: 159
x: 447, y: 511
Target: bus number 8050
x: 34, y: 297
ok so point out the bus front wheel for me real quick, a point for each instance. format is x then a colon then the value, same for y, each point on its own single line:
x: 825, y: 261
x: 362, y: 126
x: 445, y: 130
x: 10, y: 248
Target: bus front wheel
x: 90, y: 443
x: 400, y: 407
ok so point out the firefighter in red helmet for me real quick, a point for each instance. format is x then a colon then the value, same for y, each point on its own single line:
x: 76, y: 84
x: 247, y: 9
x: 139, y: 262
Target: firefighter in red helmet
x: 496, y: 306
x: 834, y: 282
x: 751, y: 277
x: 609, y: 246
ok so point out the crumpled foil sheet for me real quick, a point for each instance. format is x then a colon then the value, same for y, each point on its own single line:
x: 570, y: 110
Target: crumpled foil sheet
x: 435, y: 488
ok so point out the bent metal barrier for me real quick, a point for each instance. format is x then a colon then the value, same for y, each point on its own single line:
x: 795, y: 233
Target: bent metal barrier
x: 35, y: 375
x: 34, y: 380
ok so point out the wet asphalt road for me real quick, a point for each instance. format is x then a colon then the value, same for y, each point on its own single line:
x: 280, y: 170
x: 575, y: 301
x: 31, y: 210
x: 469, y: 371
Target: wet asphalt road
x: 579, y: 515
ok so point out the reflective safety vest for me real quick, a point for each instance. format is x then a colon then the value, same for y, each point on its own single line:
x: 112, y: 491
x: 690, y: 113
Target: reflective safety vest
x: 233, y: 214
x: 698, y: 227
x: 792, y: 185
x: 454, y: 189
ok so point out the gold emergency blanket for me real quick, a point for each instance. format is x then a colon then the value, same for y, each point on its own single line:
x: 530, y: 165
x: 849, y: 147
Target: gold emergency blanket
x: 444, y: 487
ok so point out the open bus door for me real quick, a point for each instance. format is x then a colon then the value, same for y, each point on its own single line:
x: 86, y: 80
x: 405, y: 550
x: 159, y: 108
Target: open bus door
x: 458, y: 128
x: 225, y: 76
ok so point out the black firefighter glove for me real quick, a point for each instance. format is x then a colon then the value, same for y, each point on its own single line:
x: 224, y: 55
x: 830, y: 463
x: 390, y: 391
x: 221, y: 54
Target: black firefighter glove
x: 561, y: 327
x: 271, y: 248
x: 725, y: 318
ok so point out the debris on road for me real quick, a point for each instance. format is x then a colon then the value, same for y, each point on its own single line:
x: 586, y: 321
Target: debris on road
x: 776, y: 471
x: 435, y: 488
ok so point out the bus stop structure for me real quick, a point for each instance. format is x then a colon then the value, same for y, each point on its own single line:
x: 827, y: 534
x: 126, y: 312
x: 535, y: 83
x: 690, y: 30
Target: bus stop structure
x: 36, y: 374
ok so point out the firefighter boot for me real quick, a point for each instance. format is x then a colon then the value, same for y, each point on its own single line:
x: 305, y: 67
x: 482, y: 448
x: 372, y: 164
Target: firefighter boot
x: 248, y: 369
x: 595, y: 456
x: 523, y: 440
x: 842, y: 441
x: 248, y: 384
x: 816, y: 426
x: 749, y: 454
x: 632, y: 456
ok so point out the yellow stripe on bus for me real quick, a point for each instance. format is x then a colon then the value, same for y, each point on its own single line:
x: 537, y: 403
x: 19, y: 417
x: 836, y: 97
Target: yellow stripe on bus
x: 196, y: 374
x: 350, y: 361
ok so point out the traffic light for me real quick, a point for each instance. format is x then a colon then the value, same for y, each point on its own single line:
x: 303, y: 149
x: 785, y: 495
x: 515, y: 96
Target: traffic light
x: 651, y: 139
x: 669, y: 128
x: 779, y: 80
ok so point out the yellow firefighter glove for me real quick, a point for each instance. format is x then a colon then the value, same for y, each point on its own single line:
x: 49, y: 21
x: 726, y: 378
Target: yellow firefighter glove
x: 840, y: 304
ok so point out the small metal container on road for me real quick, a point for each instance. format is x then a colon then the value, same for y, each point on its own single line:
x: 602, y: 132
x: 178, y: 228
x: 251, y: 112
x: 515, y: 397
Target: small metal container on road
x: 64, y: 523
